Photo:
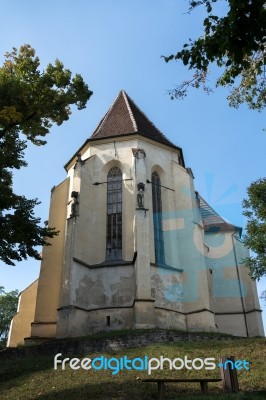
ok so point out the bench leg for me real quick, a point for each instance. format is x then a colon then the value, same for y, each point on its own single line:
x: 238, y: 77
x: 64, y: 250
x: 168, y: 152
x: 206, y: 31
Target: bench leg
x: 204, y: 387
x: 161, y: 390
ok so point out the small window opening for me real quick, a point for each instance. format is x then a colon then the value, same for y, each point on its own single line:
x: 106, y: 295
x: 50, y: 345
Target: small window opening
x: 108, y: 320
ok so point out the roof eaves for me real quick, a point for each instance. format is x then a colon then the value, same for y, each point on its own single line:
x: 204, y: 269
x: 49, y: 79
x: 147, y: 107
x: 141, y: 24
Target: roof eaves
x: 92, y: 139
x: 76, y: 154
x: 213, y: 221
x: 222, y: 227
x: 166, y: 142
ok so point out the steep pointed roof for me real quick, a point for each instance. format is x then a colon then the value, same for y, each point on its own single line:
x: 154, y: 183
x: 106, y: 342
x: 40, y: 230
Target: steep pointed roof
x: 123, y: 118
x: 212, y: 221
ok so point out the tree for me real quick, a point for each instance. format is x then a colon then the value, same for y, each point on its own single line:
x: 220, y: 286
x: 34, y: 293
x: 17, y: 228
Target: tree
x: 236, y: 43
x: 263, y: 295
x: 30, y: 102
x: 255, y: 237
x: 8, y: 308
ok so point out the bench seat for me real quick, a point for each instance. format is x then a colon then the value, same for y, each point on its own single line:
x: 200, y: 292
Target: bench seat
x: 161, y: 381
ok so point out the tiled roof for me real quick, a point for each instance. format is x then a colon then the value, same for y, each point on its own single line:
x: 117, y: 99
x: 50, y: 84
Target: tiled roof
x: 123, y: 118
x: 212, y: 221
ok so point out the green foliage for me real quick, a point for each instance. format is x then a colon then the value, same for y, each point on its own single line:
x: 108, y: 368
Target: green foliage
x: 255, y: 238
x: 8, y: 308
x: 236, y: 43
x: 263, y: 295
x: 30, y: 102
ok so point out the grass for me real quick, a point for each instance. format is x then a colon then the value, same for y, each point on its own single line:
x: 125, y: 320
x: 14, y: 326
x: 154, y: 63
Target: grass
x: 35, y: 378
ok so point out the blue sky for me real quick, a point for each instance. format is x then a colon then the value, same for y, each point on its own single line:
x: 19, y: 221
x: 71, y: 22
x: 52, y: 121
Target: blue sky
x: 117, y: 44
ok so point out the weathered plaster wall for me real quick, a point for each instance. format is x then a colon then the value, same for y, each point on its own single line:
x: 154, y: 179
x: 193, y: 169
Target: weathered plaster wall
x: 98, y: 293
x: 111, y: 286
x: 21, y: 323
x: 50, y: 280
x: 166, y: 288
x: 234, y: 294
x: 231, y: 323
x: 169, y: 319
x: 74, y: 322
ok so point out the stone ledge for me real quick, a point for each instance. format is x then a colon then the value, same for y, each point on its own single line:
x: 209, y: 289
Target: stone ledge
x: 105, y: 342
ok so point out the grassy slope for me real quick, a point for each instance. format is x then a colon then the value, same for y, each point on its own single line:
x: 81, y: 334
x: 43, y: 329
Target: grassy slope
x: 35, y: 378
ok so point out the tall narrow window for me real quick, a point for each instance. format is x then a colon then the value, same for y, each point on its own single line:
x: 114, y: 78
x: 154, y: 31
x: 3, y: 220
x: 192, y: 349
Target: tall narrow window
x: 114, y: 215
x: 157, y: 218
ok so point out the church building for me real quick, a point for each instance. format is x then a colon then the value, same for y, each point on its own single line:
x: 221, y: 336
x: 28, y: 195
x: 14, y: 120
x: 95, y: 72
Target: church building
x: 138, y: 247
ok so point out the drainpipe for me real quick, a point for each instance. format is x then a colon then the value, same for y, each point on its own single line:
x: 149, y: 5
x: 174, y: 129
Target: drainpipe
x: 239, y: 284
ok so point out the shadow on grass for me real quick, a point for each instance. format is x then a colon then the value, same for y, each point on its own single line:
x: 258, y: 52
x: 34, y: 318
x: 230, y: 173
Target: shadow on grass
x: 138, y: 391
x: 49, y: 388
x: 105, y: 391
x: 56, y: 387
x: 17, y: 368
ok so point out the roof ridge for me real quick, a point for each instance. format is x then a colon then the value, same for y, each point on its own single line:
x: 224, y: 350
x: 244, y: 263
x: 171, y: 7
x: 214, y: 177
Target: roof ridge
x: 143, y: 113
x: 135, y: 126
x: 106, y: 114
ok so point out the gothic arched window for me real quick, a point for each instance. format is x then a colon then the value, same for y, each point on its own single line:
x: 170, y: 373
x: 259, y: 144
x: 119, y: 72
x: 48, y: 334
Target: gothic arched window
x: 157, y: 218
x: 114, y: 215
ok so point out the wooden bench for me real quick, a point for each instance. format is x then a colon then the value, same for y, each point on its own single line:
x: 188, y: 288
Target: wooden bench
x: 161, y: 381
